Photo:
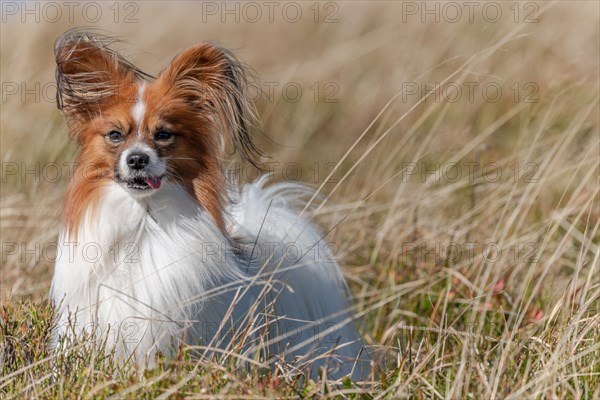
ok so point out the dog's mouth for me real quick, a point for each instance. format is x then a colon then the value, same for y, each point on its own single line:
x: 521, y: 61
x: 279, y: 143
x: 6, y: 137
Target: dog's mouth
x: 143, y: 183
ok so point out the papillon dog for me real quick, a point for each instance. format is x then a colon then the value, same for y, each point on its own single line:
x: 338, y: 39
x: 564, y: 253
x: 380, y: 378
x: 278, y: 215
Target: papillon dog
x: 160, y: 250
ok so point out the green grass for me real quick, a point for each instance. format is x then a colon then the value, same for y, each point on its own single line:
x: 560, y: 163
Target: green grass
x: 435, y: 331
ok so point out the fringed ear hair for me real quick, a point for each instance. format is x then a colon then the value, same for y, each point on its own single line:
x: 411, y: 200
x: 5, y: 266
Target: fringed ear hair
x: 215, y: 81
x: 89, y: 74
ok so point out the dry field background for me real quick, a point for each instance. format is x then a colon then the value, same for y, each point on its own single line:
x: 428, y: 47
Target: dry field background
x: 467, y: 223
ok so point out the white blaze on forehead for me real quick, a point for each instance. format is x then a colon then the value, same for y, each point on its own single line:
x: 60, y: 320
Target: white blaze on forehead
x: 139, y: 107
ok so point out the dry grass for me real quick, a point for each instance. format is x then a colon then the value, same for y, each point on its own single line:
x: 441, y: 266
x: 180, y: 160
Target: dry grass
x: 455, y: 324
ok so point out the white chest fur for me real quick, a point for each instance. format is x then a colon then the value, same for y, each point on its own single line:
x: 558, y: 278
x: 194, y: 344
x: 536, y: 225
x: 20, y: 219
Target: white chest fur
x: 135, y: 272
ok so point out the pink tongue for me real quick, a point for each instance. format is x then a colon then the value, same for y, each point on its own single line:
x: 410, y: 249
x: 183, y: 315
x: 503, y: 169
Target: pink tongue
x: 153, y: 182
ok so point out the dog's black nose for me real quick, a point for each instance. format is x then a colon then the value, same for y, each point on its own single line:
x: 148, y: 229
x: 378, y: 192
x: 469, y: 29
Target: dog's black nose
x: 137, y: 160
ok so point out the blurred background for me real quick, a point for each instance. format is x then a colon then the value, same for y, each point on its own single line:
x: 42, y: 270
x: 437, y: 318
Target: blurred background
x: 430, y: 128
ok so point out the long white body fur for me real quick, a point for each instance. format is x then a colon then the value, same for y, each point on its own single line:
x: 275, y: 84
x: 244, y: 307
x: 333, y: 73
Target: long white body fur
x: 146, y: 273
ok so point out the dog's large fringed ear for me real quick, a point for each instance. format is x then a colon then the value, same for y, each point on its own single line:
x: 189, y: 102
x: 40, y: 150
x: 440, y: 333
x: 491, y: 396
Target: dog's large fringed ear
x: 216, y: 82
x: 89, y: 74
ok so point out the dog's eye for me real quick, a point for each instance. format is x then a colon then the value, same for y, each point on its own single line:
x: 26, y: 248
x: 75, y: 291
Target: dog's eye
x: 115, y: 136
x: 162, y: 135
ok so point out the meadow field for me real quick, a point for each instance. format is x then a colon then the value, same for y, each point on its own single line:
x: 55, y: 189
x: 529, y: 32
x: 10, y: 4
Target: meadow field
x: 455, y: 147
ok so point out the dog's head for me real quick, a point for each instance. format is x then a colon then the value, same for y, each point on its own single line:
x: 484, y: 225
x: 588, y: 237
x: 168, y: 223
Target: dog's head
x: 139, y: 131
